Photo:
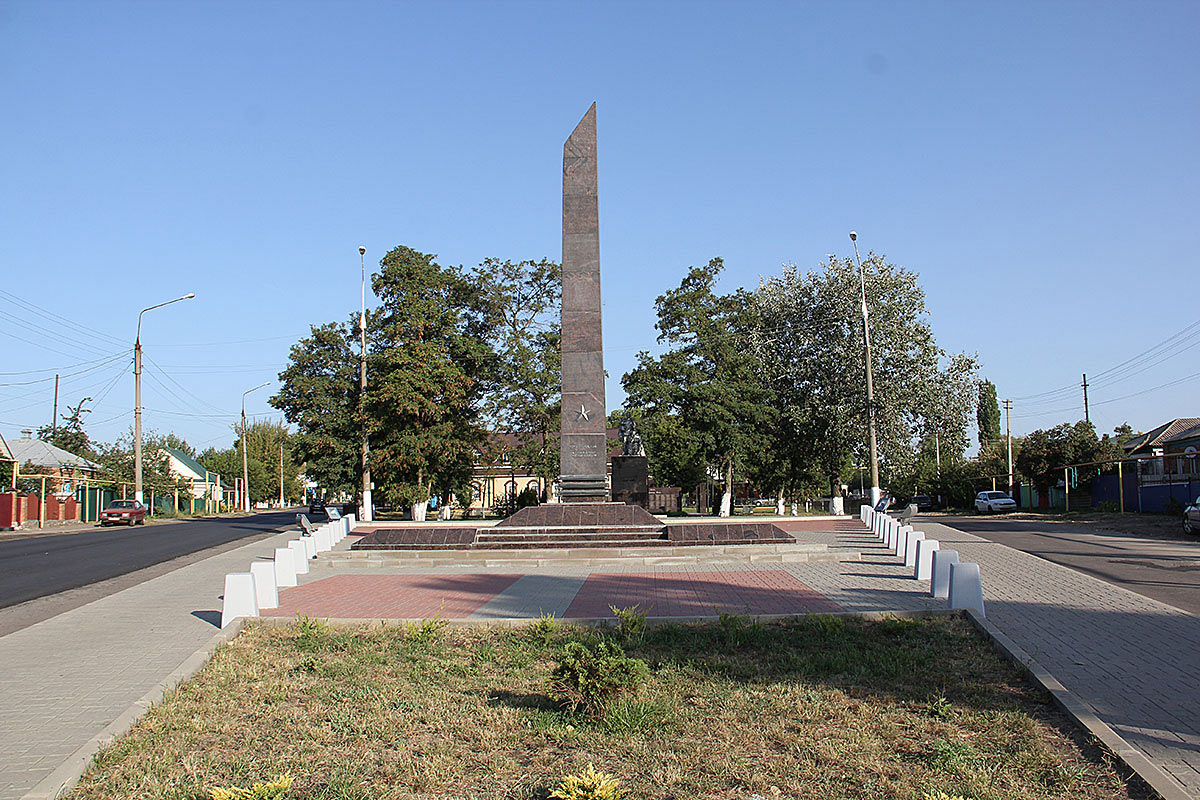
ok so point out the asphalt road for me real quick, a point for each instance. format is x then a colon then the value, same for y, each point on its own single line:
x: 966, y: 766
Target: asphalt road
x: 1161, y: 569
x: 46, y: 575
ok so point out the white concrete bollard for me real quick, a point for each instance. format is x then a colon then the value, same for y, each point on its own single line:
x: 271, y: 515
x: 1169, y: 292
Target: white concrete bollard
x: 285, y: 567
x: 924, y: 566
x: 910, y: 548
x: 310, y: 547
x: 299, y: 556
x: 351, y: 521
x: 265, y: 592
x: 939, y: 582
x: 901, y: 543
x: 323, y: 539
x: 240, y: 600
x: 347, y: 526
x: 966, y: 588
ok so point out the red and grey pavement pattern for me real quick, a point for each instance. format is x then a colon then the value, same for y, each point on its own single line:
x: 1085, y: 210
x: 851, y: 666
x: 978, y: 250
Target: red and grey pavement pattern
x: 659, y: 594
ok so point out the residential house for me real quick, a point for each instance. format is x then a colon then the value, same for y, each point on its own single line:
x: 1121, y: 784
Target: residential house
x: 206, y: 485
x: 1153, y: 447
x: 62, y: 466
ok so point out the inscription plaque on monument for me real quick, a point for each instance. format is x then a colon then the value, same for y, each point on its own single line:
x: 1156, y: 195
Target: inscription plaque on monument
x: 583, y: 462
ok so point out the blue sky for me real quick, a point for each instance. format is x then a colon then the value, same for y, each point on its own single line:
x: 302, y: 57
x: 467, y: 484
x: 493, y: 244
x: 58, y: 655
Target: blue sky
x: 1036, y: 164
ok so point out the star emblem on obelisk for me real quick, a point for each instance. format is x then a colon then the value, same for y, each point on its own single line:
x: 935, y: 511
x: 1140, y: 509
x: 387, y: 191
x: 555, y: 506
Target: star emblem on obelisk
x: 582, y: 413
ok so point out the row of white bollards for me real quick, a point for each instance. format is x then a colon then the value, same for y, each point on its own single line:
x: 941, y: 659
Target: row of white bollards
x: 248, y: 593
x: 958, y: 583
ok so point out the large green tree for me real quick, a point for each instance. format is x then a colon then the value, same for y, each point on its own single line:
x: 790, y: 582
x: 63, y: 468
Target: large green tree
x: 269, y: 445
x: 988, y: 415
x: 523, y: 392
x: 319, y: 393
x: 705, y: 388
x: 812, y: 348
x: 432, y: 364
x: 1045, y: 453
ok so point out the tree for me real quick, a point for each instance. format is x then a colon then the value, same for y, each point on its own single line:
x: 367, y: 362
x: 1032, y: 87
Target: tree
x: 988, y: 415
x: 1045, y: 453
x: 811, y: 344
x: 70, y: 435
x: 263, y: 441
x: 319, y: 392
x: 706, y: 381
x: 524, y: 394
x: 118, y: 462
x: 431, y: 371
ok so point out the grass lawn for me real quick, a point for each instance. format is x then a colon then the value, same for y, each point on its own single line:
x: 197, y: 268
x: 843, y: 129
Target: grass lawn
x: 813, y: 707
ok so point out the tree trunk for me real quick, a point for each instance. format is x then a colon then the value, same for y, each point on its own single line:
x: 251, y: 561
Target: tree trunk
x: 418, y: 510
x: 779, y: 502
x: 727, y: 495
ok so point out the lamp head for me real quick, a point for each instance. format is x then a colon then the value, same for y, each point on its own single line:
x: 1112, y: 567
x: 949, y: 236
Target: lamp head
x: 362, y: 251
x: 854, y: 236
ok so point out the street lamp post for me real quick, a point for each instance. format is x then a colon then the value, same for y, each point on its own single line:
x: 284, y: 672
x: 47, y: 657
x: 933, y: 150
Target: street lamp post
x: 245, y: 466
x: 862, y: 279
x: 366, y: 513
x: 137, y: 399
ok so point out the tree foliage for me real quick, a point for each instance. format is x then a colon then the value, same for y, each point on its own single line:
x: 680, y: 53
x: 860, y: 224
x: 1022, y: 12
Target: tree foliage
x: 263, y: 441
x: 525, y: 391
x: 318, y: 392
x: 1044, y: 453
x: 812, y: 348
x: 988, y: 415
x: 705, y: 387
x: 70, y: 435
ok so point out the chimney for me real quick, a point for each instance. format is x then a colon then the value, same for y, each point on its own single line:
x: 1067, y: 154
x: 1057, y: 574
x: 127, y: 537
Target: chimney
x: 26, y: 433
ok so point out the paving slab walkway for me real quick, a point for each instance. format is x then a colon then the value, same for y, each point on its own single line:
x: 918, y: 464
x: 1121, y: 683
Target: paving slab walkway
x: 65, y: 679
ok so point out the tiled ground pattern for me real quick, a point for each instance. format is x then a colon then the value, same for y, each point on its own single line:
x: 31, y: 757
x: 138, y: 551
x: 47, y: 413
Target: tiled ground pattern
x: 392, y: 596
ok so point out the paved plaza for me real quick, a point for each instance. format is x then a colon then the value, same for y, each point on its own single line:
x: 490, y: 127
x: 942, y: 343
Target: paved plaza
x: 1128, y: 657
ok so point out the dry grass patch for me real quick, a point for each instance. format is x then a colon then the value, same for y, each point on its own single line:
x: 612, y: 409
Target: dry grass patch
x: 815, y: 707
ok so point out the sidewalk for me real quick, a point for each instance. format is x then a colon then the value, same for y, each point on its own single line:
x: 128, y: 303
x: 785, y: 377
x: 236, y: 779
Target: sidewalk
x: 65, y: 679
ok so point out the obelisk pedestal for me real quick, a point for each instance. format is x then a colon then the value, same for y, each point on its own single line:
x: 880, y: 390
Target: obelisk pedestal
x: 583, y: 459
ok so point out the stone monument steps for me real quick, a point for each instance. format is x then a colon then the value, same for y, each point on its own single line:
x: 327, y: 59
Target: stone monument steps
x: 613, y: 532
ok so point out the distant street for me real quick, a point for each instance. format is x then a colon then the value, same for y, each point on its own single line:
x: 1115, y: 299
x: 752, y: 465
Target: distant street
x: 99, y: 561
x: 1163, y: 570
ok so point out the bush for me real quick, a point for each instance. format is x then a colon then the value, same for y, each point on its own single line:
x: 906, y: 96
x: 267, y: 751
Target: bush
x: 590, y: 676
x: 274, y: 790
x: 589, y: 785
x: 631, y: 623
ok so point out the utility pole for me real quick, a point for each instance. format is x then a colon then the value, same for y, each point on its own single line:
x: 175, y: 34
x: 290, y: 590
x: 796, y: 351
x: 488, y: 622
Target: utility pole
x: 1008, y: 435
x: 54, y: 417
x: 1086, y: 416
x: 870, y: 380
x: 366, y: 513
x: 281, y: 473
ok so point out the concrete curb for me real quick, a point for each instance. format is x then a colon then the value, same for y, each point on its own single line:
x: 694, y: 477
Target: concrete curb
x: 68, y: 773
x: 1082, y: 713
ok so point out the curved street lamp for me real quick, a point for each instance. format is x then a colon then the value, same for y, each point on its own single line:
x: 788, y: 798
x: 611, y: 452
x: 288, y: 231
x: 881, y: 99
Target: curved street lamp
x: 245, y: 467
x: 862, y: 279
x: 137, y: 400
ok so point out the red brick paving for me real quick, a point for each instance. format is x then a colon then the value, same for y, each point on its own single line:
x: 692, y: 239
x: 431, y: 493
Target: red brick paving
x: 391, y: 596
x: 685, y: 594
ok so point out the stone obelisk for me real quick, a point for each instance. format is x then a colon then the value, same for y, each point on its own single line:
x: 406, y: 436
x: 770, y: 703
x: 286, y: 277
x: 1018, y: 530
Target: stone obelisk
x: 584, y: 457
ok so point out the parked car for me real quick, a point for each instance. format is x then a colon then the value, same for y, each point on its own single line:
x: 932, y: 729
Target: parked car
x: 987, y: 502
x: 1191, y: 518
x: 924, y: 502
x: 129, y: 512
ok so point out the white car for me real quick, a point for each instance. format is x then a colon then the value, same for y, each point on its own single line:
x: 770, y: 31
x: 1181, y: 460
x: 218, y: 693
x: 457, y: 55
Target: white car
x: 1191, y: 518
x: 987, y: 502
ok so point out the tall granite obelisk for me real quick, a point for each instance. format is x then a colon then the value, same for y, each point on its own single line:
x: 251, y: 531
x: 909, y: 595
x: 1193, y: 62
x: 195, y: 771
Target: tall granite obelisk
x: 584, y: 457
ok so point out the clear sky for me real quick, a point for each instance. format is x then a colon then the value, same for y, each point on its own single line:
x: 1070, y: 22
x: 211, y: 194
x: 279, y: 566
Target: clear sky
x: 1035, y: 163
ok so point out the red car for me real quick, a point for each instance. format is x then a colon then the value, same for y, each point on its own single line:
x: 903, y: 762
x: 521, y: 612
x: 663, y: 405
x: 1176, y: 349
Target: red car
x: 129, y: 512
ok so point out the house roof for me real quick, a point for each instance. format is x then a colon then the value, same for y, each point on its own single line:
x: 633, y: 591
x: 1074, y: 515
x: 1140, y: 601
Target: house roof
x: 45, y: 455
x: 1163, y: 433
x: 195, y: 467
x: 1184, y: 435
